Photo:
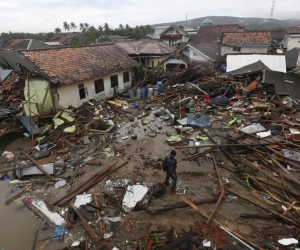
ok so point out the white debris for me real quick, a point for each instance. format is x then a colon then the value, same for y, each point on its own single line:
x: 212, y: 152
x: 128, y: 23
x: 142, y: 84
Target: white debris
x: 82, y: 199
x: 134, y: 194
x: 75, y: 244
x: 254, y: 128
x: 53, y: 216
x: 288, y: 241
x: 60, y: 184
x: 206, y: 243
x: 108, y: 235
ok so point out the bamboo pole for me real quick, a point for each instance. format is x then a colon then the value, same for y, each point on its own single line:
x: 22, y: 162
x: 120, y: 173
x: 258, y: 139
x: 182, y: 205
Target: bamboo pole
x: 205, y: 215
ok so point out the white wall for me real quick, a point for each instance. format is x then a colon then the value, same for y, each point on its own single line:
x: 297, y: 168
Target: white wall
x: 244, y: 49
x: 69, y: 94
x: 272, y: 61
x: 194, y: 55
x: 292, y: 41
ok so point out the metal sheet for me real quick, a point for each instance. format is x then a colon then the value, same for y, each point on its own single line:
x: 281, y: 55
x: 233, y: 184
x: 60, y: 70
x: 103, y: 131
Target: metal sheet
x: 273, y: 62
x: 25, y: 120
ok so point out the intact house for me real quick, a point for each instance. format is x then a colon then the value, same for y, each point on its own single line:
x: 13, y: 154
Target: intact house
x: 292, y: 38
x: 246, y: 42
x: 173, y: 35
x: 70, y: 76
x: 150, y: 53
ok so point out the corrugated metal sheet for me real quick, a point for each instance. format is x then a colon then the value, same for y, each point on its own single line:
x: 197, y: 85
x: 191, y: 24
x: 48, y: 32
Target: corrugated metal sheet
x: 273, y: 62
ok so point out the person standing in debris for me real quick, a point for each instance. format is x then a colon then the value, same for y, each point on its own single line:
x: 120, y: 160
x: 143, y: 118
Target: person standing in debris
x: 171, y: 172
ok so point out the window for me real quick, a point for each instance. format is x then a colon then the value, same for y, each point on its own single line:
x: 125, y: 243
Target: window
x: 99, y: 86
x: 83, y: 92
x: 236, y: 48
x: 114, y: 81
x: 126, y: 76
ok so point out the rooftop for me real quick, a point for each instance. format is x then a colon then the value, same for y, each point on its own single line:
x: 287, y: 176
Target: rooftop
x: 73, y: 64
x: 241, y: 38
x: 145, y: 47
x: 21, y: 44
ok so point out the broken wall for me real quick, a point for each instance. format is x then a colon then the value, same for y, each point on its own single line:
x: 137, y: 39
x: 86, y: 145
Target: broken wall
x: 41, y: 99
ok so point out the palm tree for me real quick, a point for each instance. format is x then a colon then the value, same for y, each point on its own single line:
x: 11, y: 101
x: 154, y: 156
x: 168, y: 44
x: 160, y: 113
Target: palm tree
x: 66, y: 26
x: 100, y: 28
x: 86, y: 25
x: 57, y: 31
x: 81, y: 26
x: 106, y: 29
x: 73, y: 26
x: 121, y: 26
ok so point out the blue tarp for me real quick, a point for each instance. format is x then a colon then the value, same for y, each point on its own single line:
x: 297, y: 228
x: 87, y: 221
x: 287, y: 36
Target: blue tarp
x: 198, y: 120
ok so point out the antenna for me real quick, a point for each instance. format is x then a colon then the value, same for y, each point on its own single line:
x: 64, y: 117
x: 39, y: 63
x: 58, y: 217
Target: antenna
x: 186, y: 20
x: 272, y: 12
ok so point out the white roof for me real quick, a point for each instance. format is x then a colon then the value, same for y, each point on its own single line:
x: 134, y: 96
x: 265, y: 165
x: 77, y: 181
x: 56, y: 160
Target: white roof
x: 53, y: 43
x: 273, y: 62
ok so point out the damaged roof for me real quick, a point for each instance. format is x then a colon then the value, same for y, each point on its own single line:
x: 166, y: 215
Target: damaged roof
x: 145, y: 47
x: 249, y: 69
x: 284, y: 83
x: 21, y: 44
x: 291, y: 57
x: 242, y: 38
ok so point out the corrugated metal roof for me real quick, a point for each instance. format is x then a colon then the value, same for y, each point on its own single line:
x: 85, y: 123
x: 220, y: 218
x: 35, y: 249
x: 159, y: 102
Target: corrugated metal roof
x: 273, y: 62
x: 248, y: 69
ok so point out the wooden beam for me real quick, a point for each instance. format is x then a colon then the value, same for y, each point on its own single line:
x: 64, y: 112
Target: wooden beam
x: 216, y: 206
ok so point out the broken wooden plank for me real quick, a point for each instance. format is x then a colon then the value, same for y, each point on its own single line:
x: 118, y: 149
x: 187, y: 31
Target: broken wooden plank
x: 94, y: 236
x: 217, y: 205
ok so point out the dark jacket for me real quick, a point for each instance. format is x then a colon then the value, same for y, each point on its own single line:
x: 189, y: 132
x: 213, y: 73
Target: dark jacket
x: 172, y: 165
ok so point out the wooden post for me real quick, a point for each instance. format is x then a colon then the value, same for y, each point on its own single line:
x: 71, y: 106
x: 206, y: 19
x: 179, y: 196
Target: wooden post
x: 29, y: 109
x: 216, y: 206
x: 217, y: 171
x: 35, y: 238
x: 85, y: 225
x: 205, y: 215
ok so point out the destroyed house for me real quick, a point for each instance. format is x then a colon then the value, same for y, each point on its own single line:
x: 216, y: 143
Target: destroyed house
x: 246, y: 42
x: 64, y: 77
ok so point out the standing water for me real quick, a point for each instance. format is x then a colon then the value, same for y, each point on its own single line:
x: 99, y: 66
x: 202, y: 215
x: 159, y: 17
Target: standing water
x: 18, y: 224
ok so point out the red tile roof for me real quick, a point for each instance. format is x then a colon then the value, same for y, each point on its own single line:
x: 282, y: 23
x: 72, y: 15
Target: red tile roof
x: 74, y: 64
x: 239, y: 38
x: 209, y: 34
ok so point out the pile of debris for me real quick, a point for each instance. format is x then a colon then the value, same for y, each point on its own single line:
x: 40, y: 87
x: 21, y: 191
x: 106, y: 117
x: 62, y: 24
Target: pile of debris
x: 236, y: 142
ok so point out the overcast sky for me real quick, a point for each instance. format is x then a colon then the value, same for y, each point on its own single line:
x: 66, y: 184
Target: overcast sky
x: 45, y: 15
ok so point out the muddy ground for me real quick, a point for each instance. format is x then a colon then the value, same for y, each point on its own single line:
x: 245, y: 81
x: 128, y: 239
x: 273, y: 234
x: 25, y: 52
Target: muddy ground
x: 131, y: 232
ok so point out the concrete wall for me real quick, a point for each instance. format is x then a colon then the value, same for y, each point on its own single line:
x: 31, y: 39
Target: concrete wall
x: 39, y: 90
x: 244, y: 49
x: 291, y: 41
x: 68, y: 95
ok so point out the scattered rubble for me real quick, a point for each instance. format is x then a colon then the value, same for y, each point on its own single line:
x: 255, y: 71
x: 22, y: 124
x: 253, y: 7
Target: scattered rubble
x: 96, y: 170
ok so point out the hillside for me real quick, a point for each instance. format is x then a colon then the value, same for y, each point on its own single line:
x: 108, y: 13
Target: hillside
x: 247, y: 22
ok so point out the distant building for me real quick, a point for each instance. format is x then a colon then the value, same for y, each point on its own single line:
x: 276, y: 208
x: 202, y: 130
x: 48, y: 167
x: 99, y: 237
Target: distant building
x: 207, y: 22
x: 292, y: 38
x: 25, y: 44
x: 174, y: 35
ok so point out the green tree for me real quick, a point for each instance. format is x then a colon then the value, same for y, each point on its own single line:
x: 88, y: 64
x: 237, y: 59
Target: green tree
x: 57, y: 31
x: 73, y: 26
x: 66, y: 26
